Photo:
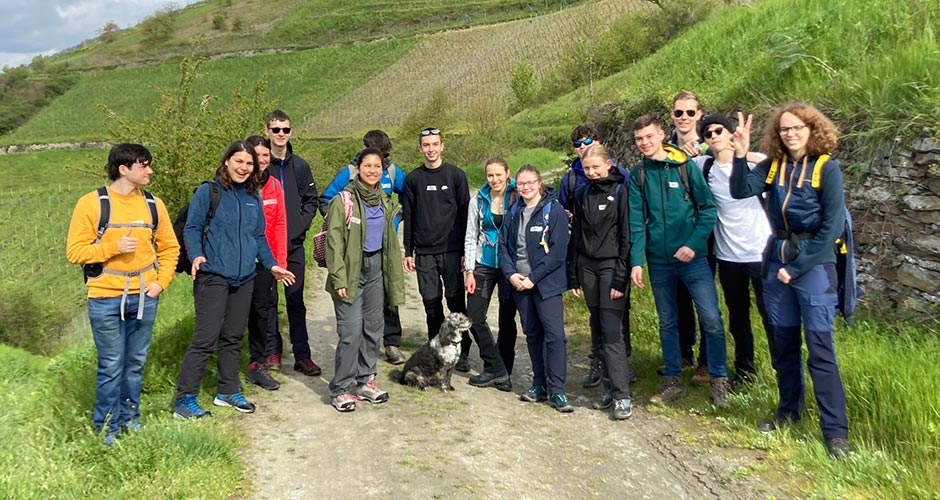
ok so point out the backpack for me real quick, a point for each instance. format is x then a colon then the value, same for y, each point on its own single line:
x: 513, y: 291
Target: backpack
x: 183, y: 265
x: 546, y: 210
x: 104, y: 223
x: 848, y: 290
x: 319, y: 239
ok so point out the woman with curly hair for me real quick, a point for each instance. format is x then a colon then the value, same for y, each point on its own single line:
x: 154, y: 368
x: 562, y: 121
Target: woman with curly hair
x: 805, y: 205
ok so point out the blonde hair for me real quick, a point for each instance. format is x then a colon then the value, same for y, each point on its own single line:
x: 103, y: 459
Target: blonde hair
x: 823, y: 136
x: 597, y: 150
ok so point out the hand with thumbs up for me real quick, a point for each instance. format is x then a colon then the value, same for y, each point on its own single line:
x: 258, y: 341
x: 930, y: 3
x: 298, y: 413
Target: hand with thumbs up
x: 127, y: 244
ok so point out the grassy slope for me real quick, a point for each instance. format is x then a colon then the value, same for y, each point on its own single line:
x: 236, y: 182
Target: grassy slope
x: 271, y: 24
x: 874, y: 65
x: 302, y: 82
x: 485, y: 57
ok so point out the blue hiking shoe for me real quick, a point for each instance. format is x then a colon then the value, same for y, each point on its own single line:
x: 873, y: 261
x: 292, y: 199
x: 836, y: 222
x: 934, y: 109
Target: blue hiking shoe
x: 235, y: 400
x: 188, y: 408
x: 560, y: 403
x: 109, y: 439
x: 132, y: 426
x: 535, y: 394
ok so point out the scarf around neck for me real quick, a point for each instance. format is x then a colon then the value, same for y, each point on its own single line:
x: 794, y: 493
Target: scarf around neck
x: 371, y: 197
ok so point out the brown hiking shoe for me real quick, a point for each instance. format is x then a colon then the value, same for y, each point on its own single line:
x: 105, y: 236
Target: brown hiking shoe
x: 307, y: 367
x: 393, y: 355
x: 719, y: 391
x: 701, y: 376
x: 670, y: 388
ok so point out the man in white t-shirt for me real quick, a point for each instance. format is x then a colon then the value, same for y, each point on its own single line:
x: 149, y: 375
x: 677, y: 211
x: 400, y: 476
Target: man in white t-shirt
x: 740, y: 237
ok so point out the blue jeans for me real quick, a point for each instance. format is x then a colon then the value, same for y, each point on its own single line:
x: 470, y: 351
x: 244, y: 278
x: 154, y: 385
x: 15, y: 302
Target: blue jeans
x: 122, y: 351
x: 699, y: 280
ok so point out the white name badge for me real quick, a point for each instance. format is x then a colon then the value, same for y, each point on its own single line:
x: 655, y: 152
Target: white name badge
x: 432, y: 188
x: 269, y: 202
x: 355, y: 220
x: 535, y: 229
x: 673, y: 184
x: 386, y: 186
x: 602, y: 207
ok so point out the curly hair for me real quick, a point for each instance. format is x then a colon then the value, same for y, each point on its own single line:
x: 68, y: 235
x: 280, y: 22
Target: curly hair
x: 823, y: 134
x: 584, y: 130
x: 253, y: 183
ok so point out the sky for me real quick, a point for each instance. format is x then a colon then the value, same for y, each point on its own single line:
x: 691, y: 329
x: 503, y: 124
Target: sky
x: 32, y: 27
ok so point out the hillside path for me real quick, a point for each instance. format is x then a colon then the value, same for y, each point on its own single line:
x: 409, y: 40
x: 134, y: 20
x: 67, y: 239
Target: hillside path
x: 470, y: 443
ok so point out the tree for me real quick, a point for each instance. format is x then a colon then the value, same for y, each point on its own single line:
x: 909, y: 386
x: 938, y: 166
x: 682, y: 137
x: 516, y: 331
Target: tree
x: 159, y: 27
x: 187, y: 133
x: 523, y: 84
x: 109, y: 32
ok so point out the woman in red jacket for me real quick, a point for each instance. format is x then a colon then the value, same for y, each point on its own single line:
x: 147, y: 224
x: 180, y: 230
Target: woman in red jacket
x: 262, y: 319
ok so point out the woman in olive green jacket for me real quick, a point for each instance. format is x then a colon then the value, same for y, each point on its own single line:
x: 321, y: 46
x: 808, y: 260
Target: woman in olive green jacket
x: 363, y: 261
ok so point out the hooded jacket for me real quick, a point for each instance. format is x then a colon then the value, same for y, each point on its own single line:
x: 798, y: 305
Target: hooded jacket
x: 275, y: 217
x: 676, y: 218
x: 546, y: 260
x: 601, y: 227
x: 482, y: 238
x: 300, y: 194
x: 565, y: 192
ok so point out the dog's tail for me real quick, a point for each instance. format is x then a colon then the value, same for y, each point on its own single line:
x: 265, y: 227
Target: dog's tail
x: 397, y: 376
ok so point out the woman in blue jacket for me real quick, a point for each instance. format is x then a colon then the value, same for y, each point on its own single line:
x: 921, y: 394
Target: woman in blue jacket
x: 487, y: 212
x: 806, y: 208
x: 223, y: 256
x: 532, y: 250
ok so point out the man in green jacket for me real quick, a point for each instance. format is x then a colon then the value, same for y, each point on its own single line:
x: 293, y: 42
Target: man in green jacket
x: 671, y: 216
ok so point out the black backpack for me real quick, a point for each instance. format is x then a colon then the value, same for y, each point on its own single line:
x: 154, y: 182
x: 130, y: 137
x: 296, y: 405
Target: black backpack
x: 183, y: 265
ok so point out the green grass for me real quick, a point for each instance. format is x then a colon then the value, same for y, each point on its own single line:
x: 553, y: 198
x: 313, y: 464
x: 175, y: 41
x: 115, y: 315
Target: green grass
x: 874, y: 65
x: 302, y: 83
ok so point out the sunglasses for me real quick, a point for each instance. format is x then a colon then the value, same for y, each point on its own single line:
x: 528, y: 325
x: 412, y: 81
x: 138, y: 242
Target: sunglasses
x: 713, y: 132
x: 586, y: 142
x: 689, y: 112
x: 430, y: 131
x: 277, y: 130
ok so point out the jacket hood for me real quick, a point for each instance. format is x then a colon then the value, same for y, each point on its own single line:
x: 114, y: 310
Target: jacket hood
x: 614, y: 178
x: 674, y: 156
x: 577, y: 168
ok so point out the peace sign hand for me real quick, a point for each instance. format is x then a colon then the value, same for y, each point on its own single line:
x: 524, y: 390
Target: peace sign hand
x: 742, y: 135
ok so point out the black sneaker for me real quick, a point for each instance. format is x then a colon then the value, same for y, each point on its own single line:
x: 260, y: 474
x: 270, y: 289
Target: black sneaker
x: 259, y: 375
x: 594, y: 374
x: 463, y: 364
x: 504, y: 386
x: 773, y: 424
x: 488, y: 379
x: 606, y: 400
x: 838, y: 448
x: 741, y: 381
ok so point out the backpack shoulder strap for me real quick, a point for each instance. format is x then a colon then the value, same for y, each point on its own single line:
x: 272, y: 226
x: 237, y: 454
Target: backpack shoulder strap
x: 391, y: 174
x: 818, y: 171
x: 772, y: 172
x: 707, y: 167
x: 348, y: 206
x: 215, y: 196
x: 104, y: 212
x: 572, y: 182
x: 353, y: 171
x: 154, y: 216
x: 684, y: 177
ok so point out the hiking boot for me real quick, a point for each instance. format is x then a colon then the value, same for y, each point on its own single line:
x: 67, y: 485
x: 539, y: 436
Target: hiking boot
x: 370, y: 392
x: 274, y: 362
x: 719, y: 391
x: 132, y: 426
x: 393, y: 355
x: 594, y: 374
x: 623, y: 409
x: 345, y: 402
x: 504, y: 386
x: 670, y: 388
x: 259, y: 375
x: 686, y: 366
x: 488, y: 379
x: 838, y: 448
x: 307, y: 367
x: 740, y: 381
x: 535, y: 394
x: 235, y: 400
x: 773, y: 424
x: 560, y: 403
x: 701, y: 376
x: 109, y: 439
x: 606, y: 400
x: 631, y: 376
x: 187, y: 408
x: 463, y: 364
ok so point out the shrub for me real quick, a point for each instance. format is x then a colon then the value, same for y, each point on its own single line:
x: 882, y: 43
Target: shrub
x: 159, y: 27
x: 523, y: 84
x: 218, y: 22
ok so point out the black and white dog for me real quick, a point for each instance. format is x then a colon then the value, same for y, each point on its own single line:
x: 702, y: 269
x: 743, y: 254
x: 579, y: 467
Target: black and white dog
x: 433, y: 363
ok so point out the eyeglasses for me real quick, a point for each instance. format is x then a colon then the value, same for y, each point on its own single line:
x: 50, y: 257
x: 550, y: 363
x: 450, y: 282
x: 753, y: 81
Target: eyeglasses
x: 585, y: 142
x: 430, y: 131
x: 277, y: 130
x: 796, y: 129
x: 713, y: 132
x: 689, y: 112
x: 527, y: 184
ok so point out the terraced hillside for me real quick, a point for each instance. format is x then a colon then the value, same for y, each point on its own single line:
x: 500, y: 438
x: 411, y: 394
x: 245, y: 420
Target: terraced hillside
x: 473, y: 65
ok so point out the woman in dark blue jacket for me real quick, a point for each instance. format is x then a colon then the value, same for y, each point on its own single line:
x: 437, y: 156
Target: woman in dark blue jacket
x: 806, y: 208
x: 532, y: 250
x: 223, y: 269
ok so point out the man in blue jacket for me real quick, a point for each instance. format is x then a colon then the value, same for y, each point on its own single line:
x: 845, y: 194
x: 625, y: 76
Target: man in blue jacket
x: 671, y: 217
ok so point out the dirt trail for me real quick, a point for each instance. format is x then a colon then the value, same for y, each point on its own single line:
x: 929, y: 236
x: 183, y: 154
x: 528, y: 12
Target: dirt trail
x: 471, y: 443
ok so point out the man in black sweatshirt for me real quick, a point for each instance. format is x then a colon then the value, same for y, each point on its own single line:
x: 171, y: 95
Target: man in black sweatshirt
x: 435, y: 214
x: 300, y: 202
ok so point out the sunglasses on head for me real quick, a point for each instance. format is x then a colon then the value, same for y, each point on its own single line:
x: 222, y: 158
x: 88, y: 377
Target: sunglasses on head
x: 713, y: 132
x: 689, y: 112
x: 430, y: 131
x: 585, y: 142
x: 277, y: 130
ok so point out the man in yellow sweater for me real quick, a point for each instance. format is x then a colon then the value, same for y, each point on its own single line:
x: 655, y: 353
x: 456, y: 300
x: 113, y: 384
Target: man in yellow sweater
x: 128, y: 263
